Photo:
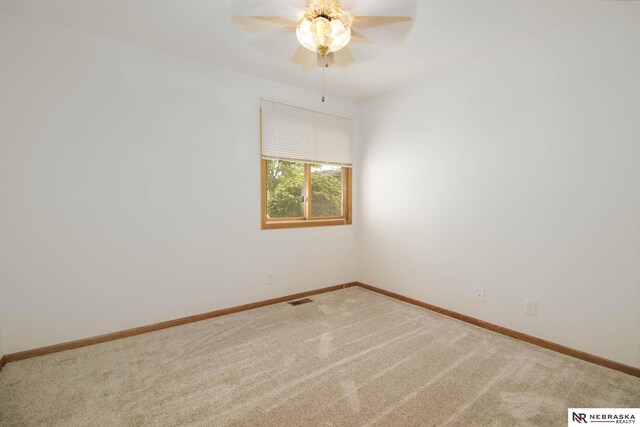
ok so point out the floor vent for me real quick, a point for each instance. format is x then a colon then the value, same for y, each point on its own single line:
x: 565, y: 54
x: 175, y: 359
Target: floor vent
x: 300, y: 301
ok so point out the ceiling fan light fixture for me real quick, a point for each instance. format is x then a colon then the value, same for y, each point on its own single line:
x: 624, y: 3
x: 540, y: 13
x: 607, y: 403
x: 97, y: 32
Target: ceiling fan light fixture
x: 305, y: 35
x: 321, y: 29
x: 340, y: 40
x: 324, y: 27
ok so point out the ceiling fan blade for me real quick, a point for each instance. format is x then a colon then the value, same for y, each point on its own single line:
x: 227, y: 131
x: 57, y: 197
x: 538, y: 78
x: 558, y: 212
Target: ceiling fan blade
x: 264, y: 24
x: 300, y: 56
x: 305, y: 58
x: 358, y: 37
x: 278, y: 20
x: 342, y: 58
x: 364, y: 22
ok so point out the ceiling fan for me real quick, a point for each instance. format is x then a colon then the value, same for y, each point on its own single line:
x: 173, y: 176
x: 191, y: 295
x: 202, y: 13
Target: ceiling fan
x: 324, y: 29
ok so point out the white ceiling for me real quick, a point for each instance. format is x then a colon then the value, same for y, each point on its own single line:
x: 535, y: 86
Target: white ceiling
x: 445, y: 32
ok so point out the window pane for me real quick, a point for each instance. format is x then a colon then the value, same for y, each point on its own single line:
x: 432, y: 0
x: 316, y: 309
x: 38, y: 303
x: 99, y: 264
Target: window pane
x: 326, y: 190
x: 285, y: 189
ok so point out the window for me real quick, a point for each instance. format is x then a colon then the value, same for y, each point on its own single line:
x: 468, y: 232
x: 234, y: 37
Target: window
x: 306, y: 167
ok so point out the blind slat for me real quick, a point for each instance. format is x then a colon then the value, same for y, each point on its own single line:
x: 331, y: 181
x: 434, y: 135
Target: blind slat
x: 298, y: 134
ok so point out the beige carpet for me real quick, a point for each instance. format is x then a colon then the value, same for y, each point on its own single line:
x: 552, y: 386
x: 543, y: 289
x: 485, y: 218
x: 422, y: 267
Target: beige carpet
x: 350, y: 358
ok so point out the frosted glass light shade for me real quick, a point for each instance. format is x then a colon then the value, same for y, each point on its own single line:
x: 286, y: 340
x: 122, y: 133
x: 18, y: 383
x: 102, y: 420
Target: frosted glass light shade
x: 323, y: 36
x: 321, y: 29
x: 340, y: 40
x: 305, y: 36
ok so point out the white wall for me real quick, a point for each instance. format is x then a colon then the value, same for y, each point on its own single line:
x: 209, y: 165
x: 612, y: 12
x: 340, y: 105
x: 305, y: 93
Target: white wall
x: 130, y: 185
x: 518, y: 172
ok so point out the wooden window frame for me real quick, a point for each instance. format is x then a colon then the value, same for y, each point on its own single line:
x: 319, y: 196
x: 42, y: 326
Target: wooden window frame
x: 307, y: 220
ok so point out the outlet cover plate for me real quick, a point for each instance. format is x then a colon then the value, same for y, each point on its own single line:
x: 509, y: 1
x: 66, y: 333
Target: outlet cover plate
x: 530, y: 307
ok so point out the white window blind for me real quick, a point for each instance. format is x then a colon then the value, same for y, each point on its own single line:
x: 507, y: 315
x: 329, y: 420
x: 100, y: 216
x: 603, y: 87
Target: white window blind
x: 302, y: 135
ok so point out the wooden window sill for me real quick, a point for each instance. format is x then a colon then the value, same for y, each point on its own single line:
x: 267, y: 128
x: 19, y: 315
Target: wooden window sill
x: 304, y: 223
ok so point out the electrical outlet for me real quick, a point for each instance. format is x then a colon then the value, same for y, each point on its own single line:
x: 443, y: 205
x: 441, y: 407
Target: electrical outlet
x: 480, y: 294
x: 530, y: 307
x: 270, y: 279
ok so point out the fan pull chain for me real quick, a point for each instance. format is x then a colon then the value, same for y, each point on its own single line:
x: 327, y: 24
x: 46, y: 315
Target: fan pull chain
x: 323, y: 67
x: 325, y: 64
